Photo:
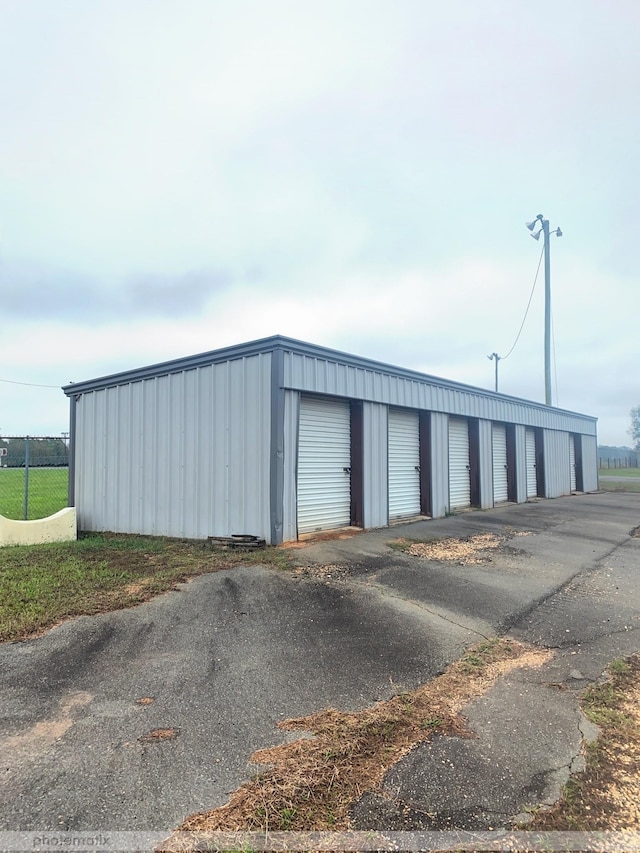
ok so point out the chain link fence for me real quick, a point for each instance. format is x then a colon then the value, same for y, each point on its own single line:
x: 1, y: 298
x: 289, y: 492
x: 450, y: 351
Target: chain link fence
x: 34, y: 476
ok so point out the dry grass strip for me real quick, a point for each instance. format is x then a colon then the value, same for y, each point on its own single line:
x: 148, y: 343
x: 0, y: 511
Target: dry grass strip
x: 311, y: 783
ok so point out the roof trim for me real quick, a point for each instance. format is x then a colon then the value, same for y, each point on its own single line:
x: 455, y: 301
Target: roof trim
x: 280, y: 342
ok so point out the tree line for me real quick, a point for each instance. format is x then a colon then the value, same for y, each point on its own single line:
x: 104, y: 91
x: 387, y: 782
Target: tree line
x: 43, y: 452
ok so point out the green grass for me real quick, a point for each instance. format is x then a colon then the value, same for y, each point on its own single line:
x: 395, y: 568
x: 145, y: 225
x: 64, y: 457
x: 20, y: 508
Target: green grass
x: 41, y: 585
x: 47, y: 491
x: 619, y: 472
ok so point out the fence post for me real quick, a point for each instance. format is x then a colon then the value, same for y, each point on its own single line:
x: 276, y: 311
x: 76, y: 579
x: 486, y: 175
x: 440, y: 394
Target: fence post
x: 26, y: 478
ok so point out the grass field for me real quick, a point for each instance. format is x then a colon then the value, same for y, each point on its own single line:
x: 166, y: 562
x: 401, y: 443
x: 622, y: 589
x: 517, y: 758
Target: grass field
x: 47, y: 491
x: 626, y: 479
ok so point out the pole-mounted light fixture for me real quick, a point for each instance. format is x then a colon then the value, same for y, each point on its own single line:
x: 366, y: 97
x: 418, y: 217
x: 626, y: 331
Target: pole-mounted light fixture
x: 496, y: 357
x: 544, y: 229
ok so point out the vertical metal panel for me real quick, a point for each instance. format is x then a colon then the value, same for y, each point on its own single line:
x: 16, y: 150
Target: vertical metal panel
x: 404, y: 464
x: 185, y: 454
x: 324, y: 465
x: 521, y: 463
x: 459, y: 466
x: 589, y: 463
x: 374, y: 474
x: 500, y: 485
x: 556, y: 463
x: 439, y: 464
x: 485, y: 463
x: 276, y: 455
x: 291, y: 420
x: 530, y: 463
x: 572, y: 462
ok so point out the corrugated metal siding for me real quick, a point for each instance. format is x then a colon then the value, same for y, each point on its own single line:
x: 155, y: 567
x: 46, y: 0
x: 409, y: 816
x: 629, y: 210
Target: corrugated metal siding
x: 291, y: 419
x: 325, y: 376
x: 485, y: 463
x: 439, y: 464
x: 185, y: 454
x: 521, y: 464
x: 556, y: 463
x: 374, y: 474
x: 500, y: 484
x: 589, y: 463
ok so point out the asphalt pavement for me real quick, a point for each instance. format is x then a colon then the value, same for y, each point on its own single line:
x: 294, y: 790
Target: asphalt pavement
x: 215, y: 665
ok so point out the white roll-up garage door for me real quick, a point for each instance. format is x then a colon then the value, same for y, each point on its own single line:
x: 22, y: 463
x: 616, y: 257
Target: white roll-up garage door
x: 530, y: 448
x: 572, y: 462
x: 324, y: 460
x: 404, y: 464
x: 459, y: 468
x: 500, y: 486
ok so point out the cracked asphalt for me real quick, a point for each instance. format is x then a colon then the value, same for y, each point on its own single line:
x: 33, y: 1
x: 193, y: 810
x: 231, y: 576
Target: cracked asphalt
x: 219, y: 662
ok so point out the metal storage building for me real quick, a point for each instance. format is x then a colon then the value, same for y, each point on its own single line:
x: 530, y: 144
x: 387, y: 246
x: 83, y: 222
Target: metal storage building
x: 278, y: 438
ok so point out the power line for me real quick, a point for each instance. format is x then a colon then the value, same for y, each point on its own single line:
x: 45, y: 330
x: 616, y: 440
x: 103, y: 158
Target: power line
x: 30, y: 384
x: 524, y: 319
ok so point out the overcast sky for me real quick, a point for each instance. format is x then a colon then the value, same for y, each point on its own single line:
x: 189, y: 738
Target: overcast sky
x: 181, y: 175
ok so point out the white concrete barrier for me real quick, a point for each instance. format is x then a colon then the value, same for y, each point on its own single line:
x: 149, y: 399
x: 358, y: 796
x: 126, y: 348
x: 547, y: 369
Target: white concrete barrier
x: 60, y: 527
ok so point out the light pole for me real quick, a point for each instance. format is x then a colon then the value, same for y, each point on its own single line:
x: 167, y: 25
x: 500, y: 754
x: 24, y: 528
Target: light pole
x: 547, y: 298
x: 494, y: 355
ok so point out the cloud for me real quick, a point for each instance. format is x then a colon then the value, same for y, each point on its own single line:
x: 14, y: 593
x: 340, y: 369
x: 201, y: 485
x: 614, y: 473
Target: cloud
x: 35, y: 292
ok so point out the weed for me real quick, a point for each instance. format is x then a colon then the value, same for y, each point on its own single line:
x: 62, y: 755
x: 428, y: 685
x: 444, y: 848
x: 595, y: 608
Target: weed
x: 286, y: 819
x: 619, y: 666
x: 431, y: 723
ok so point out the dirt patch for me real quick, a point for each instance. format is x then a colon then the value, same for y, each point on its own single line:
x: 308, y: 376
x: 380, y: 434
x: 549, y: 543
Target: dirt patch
x: 323, y: 536
x: 139, y: 587
x: 469, y: 551
x: 311, y: 783
x: 35, y: 741
x: 159, y: 734
x: 322, y: 572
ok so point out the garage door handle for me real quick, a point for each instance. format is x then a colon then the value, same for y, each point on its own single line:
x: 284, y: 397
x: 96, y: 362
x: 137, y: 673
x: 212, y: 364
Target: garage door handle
x: 468, y: 467
x: 347, y: 470
x: 417, y: 468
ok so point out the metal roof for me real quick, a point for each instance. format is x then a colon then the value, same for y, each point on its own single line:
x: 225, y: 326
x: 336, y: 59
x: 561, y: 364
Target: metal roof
x: 280, y: 342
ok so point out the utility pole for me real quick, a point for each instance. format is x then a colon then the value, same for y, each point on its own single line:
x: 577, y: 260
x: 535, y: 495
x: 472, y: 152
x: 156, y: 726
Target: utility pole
x: 547, y: 314
x: 494, y: 355
x: 547, y: 298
